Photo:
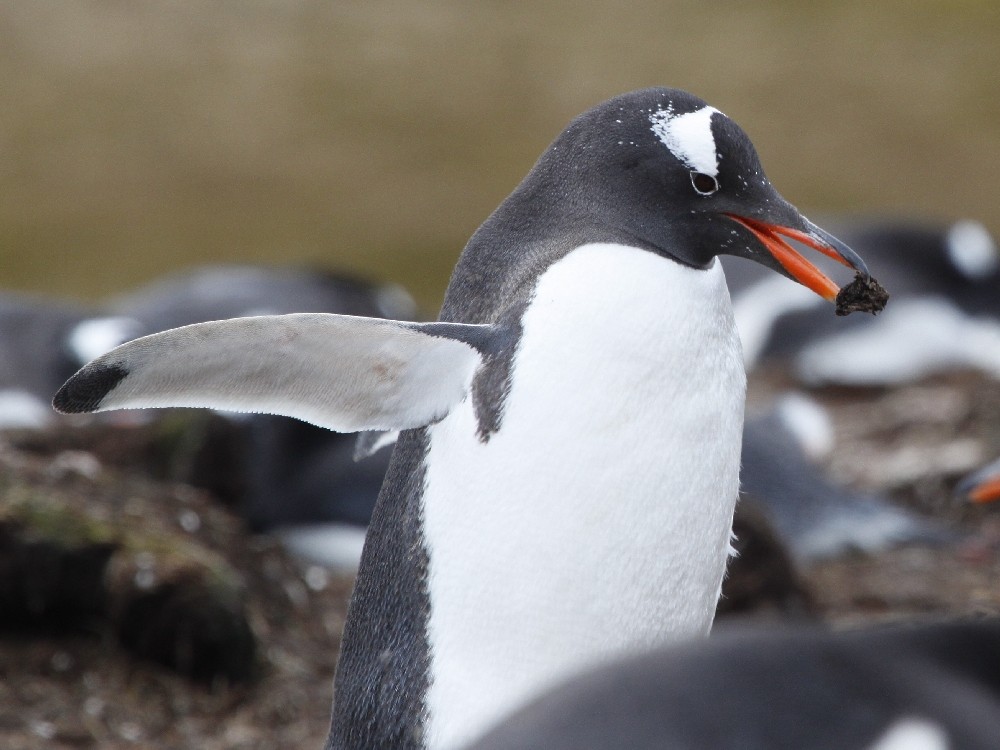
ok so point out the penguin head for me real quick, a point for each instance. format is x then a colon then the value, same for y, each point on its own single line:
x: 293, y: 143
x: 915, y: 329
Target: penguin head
x: 673, y: 174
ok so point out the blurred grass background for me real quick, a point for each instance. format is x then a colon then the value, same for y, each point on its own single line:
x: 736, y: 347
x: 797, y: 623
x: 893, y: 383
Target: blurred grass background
x: 139, y: 137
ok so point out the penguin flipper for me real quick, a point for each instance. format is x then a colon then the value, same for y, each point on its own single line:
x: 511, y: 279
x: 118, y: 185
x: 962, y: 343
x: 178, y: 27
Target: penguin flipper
x: 336, y: 371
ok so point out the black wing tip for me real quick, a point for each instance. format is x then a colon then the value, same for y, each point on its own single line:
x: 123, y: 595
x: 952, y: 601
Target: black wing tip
x: 85, y: 391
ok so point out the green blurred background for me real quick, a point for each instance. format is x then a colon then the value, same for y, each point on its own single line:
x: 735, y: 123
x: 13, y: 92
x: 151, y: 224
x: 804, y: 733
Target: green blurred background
x: 140, y: 137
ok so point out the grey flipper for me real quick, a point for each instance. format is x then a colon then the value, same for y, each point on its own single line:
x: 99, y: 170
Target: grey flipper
x: 336, y: 371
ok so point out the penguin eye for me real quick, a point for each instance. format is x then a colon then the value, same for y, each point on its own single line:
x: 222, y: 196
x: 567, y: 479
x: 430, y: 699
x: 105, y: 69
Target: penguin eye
x: 703, y: 183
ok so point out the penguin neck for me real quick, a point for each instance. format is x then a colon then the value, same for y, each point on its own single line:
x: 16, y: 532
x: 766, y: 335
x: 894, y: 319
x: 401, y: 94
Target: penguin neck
x: 596, y: 520
x: 527, y: 234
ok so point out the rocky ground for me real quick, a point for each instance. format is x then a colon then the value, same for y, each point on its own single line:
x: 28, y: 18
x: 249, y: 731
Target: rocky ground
x: 84, y: 666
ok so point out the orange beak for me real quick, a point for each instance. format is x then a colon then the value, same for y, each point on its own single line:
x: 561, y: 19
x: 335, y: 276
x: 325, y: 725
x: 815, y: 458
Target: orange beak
x: 800, y: 269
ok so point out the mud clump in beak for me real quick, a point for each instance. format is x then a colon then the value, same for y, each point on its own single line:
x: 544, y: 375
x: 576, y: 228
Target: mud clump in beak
x: 864, y: 294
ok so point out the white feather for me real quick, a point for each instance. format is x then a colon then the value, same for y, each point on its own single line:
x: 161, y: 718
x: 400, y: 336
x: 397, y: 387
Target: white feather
x: 689, y: 137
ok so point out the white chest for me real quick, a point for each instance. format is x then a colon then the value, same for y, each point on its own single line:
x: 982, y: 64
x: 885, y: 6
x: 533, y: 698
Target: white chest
x: 597, y: 519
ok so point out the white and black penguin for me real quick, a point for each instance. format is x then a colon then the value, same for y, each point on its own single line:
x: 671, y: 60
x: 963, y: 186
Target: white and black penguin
x: 563, y: 489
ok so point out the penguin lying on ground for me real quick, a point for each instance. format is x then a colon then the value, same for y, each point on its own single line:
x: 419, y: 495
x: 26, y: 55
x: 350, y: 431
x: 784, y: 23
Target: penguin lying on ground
x: 932, y: 687
x: 563, y: 489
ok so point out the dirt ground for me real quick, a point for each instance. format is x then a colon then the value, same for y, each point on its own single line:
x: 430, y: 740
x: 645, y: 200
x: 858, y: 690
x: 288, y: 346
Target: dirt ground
x: 85, y: 690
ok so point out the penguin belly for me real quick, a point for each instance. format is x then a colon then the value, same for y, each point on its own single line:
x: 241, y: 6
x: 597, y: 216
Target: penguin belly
x: 596, y: 520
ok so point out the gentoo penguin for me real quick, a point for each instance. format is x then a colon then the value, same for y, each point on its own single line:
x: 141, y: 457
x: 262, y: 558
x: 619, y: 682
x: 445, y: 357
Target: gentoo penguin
x: 926, y: 687
x: 563, y: 490
x: 945, y: 313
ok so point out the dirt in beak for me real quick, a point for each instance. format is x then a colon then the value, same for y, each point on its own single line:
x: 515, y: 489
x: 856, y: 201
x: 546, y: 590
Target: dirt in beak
x: 864, y: 294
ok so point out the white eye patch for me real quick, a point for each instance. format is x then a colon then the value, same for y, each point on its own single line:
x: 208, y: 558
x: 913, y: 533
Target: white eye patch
x: 689, y: 137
